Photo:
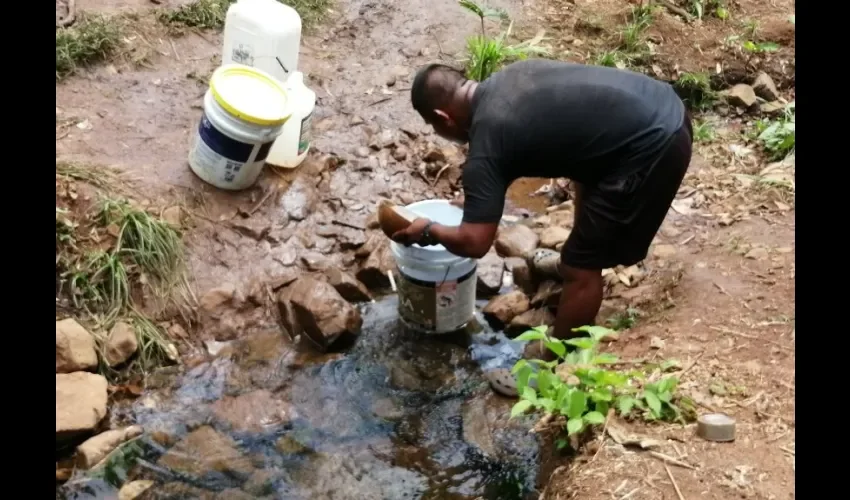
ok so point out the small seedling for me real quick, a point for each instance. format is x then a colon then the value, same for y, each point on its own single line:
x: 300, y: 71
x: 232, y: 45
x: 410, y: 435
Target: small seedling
x: 695, y: 90
x: 704, y: 131
x: 486, y: 54
x: 91, y: 39
x: 624, y: 320
x: 778, y: 136
x: 578, y: 387
x: 702, y: 8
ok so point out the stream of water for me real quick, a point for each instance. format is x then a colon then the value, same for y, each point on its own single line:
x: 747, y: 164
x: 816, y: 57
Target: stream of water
x: 396, y: 416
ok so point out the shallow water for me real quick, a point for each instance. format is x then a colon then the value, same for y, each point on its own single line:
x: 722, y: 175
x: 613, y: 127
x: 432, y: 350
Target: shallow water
x: 396, y: 416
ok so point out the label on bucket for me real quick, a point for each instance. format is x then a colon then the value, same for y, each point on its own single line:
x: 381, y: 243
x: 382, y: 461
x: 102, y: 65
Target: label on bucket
x: 223, y: 158
x: 437, y: 307
x: 305, y: 136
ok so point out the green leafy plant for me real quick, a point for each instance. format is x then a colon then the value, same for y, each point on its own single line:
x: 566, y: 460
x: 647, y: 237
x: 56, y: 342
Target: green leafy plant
x: 704, y: 131
x: 778, y: 136
x: 486, y: 54
x: 613, y: 59
x: 579, y: 387
x: 702, y: 8
x: 624, y: 320
x: 695, y: 90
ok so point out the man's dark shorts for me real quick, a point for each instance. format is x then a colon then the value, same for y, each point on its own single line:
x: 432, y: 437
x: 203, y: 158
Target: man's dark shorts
x: 618, y: 218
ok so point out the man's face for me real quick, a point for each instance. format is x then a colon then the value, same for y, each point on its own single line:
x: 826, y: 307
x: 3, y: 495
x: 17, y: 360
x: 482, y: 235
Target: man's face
x: 447, y: 128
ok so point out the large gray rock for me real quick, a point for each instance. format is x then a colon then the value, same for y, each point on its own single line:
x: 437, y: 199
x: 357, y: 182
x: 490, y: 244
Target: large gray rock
x: 315, y: 309
x: 75, y: 347
x: 516, y: 240
x: 491, y: 270
x: 505, y: 307
x: 204, y: 451
x: 121, y: 344
x: 741, y: 95
x: 80, y: 402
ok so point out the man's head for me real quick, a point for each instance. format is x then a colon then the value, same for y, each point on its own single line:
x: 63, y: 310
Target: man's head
x: 442, y: 95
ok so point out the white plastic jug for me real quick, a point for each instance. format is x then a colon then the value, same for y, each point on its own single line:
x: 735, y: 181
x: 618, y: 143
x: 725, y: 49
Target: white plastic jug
x: 264, y: 34
x: 293, y: 144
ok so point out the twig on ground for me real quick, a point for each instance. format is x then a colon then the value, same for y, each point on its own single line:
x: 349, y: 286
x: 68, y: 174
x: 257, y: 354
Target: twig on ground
x: 747, y: 336
x: 692, y: 365
x: 602, y: 435
x: 787, y: 450
x: 667, y: 459
x: 673, y: 480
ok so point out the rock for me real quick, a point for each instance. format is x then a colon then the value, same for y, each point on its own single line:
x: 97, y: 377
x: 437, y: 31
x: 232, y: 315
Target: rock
x: 491, y: 270
x: 173, y: 216
x: 252, y: 228
x: 553, y: 237
x: 545, y: 263
x: 314, y: 308
x: 348, y: 286
x: 384, y: 139
x: 521, y: 273
x: 299, y: 200
x: 75, y: 348
x: 664, y: 251
x: 400, y: 153
x: 741, y: 95
x: 254, y: 412
x: 548, y: 294
x: 134, y: 489
x: 260, y: 483
x: 362, y: 152
x: 434, y: 155
x: 505, y: 307
x: 315, y: 261
x: 516, y: 240
x: 530, y: 319
x: 764, y: 87
x: 373, y: 272
x: 80, y: 402
x: 121, y: 344
x: 203, y: 451
x: 217, y: 297
x: 771, y: 108
x: 758, y: 253
x: 488, y: 427
x: 95, y: 449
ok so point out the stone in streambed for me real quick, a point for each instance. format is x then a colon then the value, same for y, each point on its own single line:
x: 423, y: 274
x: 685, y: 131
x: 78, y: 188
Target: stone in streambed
x: 314, y: 308
x: 505, y: 307
x: 530, y: 319
x: 75, y: 348
x: 516, y: 240
x: 491, y: 270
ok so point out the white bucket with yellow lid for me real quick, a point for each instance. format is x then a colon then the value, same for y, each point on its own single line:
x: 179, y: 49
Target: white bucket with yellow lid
x: 244, y: 112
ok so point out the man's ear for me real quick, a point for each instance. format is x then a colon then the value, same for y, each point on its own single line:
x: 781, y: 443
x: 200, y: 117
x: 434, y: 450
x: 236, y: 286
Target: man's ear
x: 445, y: 116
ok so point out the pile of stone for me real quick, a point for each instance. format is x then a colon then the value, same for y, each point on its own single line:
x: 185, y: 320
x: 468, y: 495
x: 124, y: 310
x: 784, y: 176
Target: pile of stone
x: 81, y: 394
x: 760, y: 95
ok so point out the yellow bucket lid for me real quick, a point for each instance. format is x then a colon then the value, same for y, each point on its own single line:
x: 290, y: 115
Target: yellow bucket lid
x: 250, y: 94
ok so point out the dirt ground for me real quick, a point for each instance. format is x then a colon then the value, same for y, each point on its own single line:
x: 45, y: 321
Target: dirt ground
x: 730, y: 317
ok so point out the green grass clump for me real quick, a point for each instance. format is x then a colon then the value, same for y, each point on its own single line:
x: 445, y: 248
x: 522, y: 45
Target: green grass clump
x: 695, y: 90
x: 91, y: 39
x: 487, y: 54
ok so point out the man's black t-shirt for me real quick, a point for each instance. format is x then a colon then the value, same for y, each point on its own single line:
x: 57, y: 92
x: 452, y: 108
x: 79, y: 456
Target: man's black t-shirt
x: 542, y: 118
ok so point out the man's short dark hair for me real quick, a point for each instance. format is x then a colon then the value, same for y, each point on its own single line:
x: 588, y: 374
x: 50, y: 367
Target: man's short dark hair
x: 433, y: 88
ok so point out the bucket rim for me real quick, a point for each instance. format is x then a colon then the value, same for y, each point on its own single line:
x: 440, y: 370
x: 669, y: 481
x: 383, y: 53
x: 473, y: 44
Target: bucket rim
x: 258, y: 75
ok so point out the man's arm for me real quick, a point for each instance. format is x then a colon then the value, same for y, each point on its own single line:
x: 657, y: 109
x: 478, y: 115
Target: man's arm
x: 467, y: 240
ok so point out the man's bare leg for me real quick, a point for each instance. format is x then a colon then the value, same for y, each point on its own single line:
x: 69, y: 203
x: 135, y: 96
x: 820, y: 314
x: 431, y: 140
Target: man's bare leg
x: 579, y: 304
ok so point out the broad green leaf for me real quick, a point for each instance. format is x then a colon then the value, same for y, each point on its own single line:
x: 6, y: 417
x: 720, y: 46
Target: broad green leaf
x: 523, y: 377
x: 667, y: 384
x: 520, y: 407
x: 670, y: 364
x: 545, y: 380
x: 530, y: 394
x: 584, y: 356
x: 721, y: 13
x: 665, y: 397
x: 519, y: 365
x: 625, y: 405
x: 530, y: 336
x: 603, y: 407
x: 542, y: 329
x: 576, y: 404
x: 596, y: 332
x: 574, y: 425
x: 594, y: 418
x: 768, y: 46
x: 557, y: 347
x: 547, y: 404
x: 750, y: 46
x: 560, y: 443
x: 653, y: 402
x: 581, y: 342
x: 601, y: 394
x: 605, y: 358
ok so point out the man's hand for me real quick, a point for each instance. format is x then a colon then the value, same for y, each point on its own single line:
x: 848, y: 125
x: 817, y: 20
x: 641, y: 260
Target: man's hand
x: 412, y: 234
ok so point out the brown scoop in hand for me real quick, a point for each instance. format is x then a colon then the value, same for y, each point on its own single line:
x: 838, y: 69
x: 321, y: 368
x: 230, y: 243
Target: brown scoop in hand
x: 393, y: 218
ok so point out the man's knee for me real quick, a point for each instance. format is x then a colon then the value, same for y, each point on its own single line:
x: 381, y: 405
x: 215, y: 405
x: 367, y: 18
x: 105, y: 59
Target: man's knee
x: 579, y: 276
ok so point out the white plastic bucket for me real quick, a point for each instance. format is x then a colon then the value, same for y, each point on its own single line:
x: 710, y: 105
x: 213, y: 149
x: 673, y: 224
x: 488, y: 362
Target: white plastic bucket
x: 244, y: 112
x: 436, y: 289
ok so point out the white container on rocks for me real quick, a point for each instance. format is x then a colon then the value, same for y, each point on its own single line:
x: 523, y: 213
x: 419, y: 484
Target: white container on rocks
x: 264, y: 34
x: 244, y: 112
x: 436, y: 289
x: 290, y: 149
